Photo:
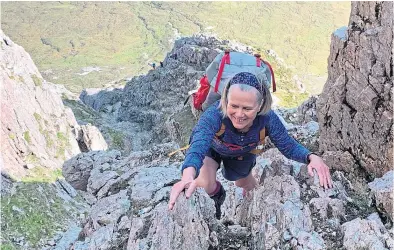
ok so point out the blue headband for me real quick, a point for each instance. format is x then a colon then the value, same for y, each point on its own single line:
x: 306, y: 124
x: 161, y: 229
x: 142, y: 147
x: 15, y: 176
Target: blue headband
x: 248, y: 79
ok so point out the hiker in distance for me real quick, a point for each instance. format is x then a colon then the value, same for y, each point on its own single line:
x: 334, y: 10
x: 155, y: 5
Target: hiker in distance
x: 229, y: 131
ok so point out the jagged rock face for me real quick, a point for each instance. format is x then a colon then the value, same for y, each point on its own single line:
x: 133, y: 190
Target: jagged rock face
x: 35, y: 127
x: 150, y: 99
x: 355, y: 110
x: 187, y: 227
x: 288, y: 210
x: 101, y: 100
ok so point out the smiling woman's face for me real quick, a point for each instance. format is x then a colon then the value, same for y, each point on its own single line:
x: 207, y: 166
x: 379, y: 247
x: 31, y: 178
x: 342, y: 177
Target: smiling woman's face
x: 242, y: 107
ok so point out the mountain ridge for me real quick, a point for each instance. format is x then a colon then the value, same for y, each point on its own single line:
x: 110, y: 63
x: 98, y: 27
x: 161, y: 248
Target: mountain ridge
x: 115, y: 37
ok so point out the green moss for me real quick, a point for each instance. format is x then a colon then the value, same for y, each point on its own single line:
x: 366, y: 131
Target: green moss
x: 44, y: 132
x: 60, y: 153
x: 62, y: 137
x: 43, y: 175
x: 62, y: 143
x: 37, y: 81
x: 27, y: 137
x: 37, y: 116
x: 31, y: 212
x: 7, y: 246
x: 32, y: 158
x: 48, y: 138
x: 11, y: 136
x: 116, y: 138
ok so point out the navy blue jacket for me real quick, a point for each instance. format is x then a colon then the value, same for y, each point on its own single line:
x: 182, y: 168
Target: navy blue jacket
x: 233, y: 143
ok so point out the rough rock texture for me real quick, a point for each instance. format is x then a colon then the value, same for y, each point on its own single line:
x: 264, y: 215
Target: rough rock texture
x: 382, y: 193
x: 355, y: 110
x: 77, y: 169
x: 129, y: 208
x: 35, y: 125
x: 277, y: 215
x: 101, y: 99
x: 151, y: 105
x: 307, y: 110
x: 6, y: 184
x: 186, y: 227
x: 90, y: 138
x: 366, y: 234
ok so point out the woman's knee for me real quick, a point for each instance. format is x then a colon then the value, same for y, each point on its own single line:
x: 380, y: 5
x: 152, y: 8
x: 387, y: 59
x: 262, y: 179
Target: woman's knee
x: 240, y: 183
x: 248, y: 182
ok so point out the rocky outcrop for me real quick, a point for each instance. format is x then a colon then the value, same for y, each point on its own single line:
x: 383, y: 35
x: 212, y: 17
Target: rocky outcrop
x: 77, y: 169
x: 307, y: 110
x: 149, y: 100
x: 38, y: 133
x: 90, y: 138
x: 36, y: 128
x: 367, y: 233
x: 105, y: 100
x: 288, y: 210
x: 355, y: 110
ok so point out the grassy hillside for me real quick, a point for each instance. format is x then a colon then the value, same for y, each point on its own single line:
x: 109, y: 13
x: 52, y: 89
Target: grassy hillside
x: 89, y: 44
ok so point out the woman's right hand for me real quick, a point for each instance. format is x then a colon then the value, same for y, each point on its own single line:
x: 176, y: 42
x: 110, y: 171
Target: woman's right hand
x: 187, y: 182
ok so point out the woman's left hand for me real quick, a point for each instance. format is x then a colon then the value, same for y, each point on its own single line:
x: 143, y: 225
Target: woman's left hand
x: 322, y: 170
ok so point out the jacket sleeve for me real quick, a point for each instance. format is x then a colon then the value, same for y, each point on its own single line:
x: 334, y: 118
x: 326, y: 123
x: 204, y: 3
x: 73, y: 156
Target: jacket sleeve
x: 202, y: 136
x: 287, y: 145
